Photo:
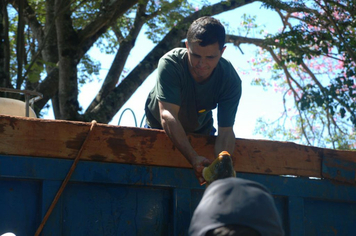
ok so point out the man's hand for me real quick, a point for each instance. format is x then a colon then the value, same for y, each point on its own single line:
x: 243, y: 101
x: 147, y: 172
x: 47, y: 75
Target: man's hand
x: 198, y: 164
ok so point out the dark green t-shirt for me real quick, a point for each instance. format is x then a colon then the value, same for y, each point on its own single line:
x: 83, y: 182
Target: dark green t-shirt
x: 176, y: 85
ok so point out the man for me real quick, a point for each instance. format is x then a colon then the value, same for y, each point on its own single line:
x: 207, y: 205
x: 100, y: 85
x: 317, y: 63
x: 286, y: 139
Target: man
x: 191, y: 82
x: 236, y: 207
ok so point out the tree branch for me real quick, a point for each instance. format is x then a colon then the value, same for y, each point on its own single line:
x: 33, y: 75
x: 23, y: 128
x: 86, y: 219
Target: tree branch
x: 100, y: 24
x: 110, y: 105
x: 339, y: 32
x: 31, y: 19
x: 86, y: 39
x: 321, y: 87
x: 122, y: 54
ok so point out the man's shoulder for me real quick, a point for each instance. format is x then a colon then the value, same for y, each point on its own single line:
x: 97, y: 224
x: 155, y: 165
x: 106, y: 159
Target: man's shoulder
x: 227, y: 70
x: 175, y: 54
x: 175, y: 59
x: 225, y: 63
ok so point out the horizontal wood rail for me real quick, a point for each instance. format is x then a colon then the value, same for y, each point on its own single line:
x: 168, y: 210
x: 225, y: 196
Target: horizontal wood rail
x: 111, y: 143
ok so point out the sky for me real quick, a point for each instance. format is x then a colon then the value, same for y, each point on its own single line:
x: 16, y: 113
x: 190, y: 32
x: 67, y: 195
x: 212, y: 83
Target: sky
x: 255, y: 101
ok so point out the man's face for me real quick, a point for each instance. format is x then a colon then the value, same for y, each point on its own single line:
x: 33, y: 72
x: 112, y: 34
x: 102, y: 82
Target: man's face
x: 203, y: 60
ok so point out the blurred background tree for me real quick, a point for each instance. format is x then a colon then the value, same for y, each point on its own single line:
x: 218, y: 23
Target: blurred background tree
x: 312, y: 62
x: 45, y: 43
x: 45, y: 46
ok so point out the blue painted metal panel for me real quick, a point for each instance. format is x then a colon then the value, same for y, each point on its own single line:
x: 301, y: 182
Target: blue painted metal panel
x: 305, y: 187
x: 296, y: 216
x: 96, y: 172
x: 118, y: 199
x: 323, y: 217
x: 54, y: 223
x: 106, y: 209
x: 337, y: 169
x: 282, y: 207
x: 19, y: 204
x: 182, y: 209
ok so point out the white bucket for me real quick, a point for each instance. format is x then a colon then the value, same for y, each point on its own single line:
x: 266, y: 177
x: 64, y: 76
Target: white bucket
x: 13, y: 107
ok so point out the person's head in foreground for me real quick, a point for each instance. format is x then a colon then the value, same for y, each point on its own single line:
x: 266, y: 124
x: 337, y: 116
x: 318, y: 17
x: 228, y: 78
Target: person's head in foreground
x: 236, y: 207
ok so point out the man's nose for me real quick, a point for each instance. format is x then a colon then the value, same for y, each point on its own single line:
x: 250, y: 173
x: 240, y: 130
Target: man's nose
x: 201, y: 61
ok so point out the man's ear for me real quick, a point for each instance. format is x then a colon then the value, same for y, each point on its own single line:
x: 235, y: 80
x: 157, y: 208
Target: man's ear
x: 186, y: 44
x: 222, y: 50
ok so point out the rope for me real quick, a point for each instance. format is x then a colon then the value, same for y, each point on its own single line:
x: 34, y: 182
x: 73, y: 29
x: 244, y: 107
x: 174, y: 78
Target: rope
x: 65, y: 181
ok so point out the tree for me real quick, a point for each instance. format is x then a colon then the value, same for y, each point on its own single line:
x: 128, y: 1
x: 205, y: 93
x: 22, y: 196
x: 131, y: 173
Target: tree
x: 59, y: 33
x: 312, y: 60
x: 53, y: 37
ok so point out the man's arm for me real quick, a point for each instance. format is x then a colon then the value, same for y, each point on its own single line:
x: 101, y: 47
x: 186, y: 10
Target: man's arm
x: 225, y: 141
x: 175, y: 131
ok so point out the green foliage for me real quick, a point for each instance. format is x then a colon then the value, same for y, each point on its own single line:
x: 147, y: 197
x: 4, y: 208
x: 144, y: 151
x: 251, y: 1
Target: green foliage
x: 83, y: 13
x: 316, y: 53
x: 107, y: 43
x: 34, y: 74
x: 88, y: 68
x: 316, y: 33
x: 248, y: 25
x: 308, y: 128
x: 340, y: 96
x: 171, y: 12
x: 40, y: 10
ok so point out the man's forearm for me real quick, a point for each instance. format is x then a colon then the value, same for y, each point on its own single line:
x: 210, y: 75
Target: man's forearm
x: 176, y: 133
x: 225, y: 141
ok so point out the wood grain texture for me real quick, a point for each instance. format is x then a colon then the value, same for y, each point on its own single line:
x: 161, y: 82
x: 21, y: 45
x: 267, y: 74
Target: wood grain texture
x: 110, y: 143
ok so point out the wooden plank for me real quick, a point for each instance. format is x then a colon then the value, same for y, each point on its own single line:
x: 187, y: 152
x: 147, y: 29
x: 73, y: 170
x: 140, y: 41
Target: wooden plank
x: 340, y: 154
x: 111, y: 143
x: 277, y: 158
x: 41, y: 138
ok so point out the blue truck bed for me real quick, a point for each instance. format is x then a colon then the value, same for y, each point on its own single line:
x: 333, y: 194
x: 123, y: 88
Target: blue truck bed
x: 125, y: 186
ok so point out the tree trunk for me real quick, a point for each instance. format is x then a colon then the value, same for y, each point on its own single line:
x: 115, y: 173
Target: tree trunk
x: 68, y: 60
x: 4, y: 46
x: 87, y: 37
x: 50, y: 50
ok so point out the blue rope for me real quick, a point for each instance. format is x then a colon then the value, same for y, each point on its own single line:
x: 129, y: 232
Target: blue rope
x: 134, y: 116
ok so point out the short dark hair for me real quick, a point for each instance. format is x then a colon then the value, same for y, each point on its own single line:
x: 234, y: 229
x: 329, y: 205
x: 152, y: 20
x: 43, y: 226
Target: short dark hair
x: 206, y: 30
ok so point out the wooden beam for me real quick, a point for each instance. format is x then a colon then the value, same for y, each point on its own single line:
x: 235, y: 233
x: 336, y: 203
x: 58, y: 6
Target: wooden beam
x: 111, y: 143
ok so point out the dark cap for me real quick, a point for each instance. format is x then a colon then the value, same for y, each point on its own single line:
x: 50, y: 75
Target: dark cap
x: 236, y: 201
